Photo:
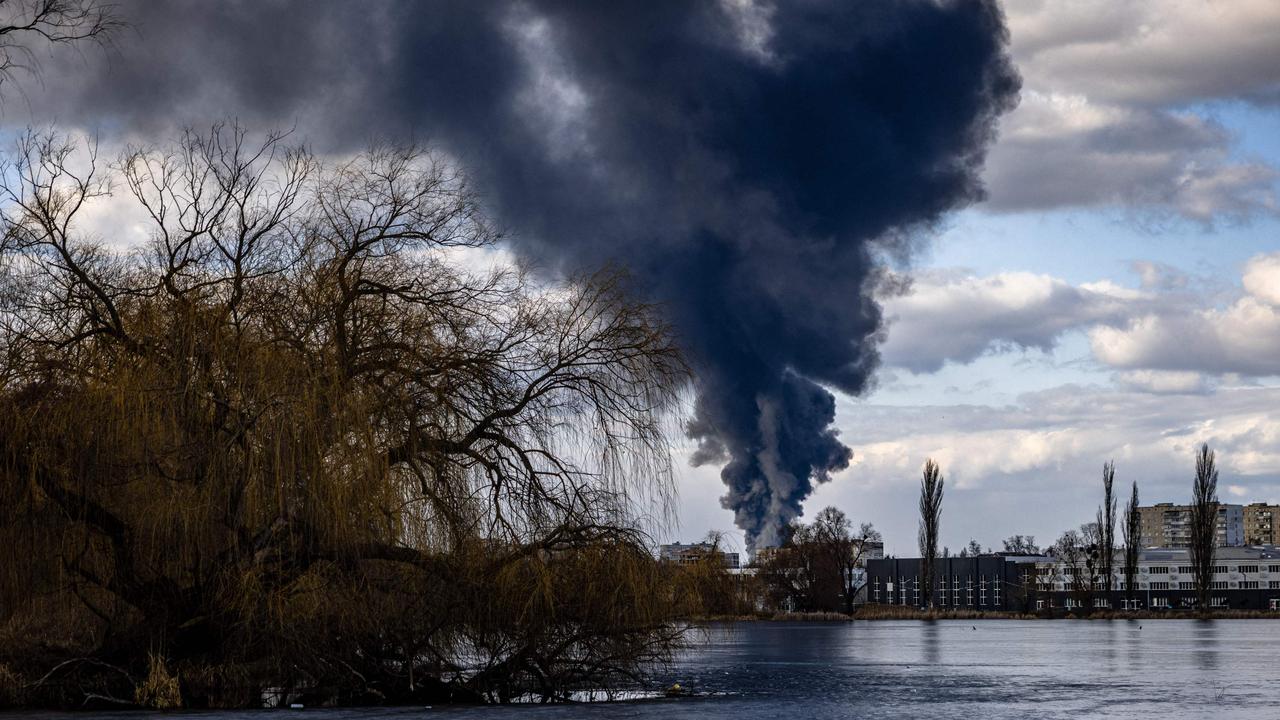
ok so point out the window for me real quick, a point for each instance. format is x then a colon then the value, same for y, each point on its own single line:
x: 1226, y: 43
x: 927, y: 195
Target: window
x: 1220, y: 568
x: 1101, y: 603
x: 1159, y: 586
x: 1186, y: 586
x: 968, y: 591
x: 1273, y: 568
x: 1217, y: 602
x: 1274, y: 585
x: 1247, y: 568
x: 995, y: 592
x: 982, y: 590
x: 1159, y: 569
x: 1218, y: 585
x: 1248, y: 584
x: 875, y: 590
x: 1186, y: 570
x: 1159, y: 602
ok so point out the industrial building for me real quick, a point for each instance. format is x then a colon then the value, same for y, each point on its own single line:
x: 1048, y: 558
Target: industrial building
x: 1245, y: 578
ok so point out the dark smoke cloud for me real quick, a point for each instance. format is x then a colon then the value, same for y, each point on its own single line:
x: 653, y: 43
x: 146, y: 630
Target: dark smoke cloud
x: 746, y: 162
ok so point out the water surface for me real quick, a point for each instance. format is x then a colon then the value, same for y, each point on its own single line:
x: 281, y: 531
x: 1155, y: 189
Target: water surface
x: 945, y: 669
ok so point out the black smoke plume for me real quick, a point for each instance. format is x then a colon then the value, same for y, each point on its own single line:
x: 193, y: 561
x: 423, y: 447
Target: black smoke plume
x: 748, y: 162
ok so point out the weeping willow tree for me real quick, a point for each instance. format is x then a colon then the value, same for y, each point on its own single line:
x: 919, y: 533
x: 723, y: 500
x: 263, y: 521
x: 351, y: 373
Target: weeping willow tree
x: 291, y: 440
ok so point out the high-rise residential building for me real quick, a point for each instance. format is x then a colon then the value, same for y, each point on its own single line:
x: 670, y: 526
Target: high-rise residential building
x: 1169, y: 526
x: 1260, y: 523
x: 694, y: 553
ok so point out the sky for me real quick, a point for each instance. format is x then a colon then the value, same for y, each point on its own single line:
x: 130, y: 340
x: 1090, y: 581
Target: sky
x: 1097, y: 280
x: 1117, y: 296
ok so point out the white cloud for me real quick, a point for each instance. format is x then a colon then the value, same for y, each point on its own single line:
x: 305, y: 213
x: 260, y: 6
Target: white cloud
x: 1262, y: 278
x: 1034, y: 466
x: 1163, y: 381
x: 1243, y: 337
x: 948, y: 316
x: 1103, y: 121
x: 1139, y: 52
x: 1162, y: 337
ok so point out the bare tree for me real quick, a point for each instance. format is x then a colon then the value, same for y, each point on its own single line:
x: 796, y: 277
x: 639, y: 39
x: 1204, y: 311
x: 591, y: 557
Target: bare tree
x: 290, y: 432
x: 1106, y: 521
x: 24, y: 23
x: 1021, y: 544
x: 1075, y: 550
x: 930, y: 517
x: 1132, y: 545
x: 1204, y: 523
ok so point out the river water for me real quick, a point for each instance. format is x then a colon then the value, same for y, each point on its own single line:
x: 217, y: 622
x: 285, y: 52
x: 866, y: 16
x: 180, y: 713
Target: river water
x: 946, y: 669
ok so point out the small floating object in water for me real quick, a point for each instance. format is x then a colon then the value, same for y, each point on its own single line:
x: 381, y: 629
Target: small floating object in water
x: 295, y: 706
x: 676, y: 691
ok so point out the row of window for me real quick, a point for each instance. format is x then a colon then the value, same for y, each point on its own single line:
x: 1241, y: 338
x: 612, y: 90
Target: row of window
x: 1165, y: 570
x: 909, y: 591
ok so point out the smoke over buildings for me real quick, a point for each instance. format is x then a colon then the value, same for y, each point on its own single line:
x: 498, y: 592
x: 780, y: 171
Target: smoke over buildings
x: 746, y: 163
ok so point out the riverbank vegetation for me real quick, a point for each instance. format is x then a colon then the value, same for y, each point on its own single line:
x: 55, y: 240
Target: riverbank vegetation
x: 293, y: 441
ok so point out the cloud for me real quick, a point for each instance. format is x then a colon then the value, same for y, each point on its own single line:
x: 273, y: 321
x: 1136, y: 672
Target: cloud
x: 1162, y: 337
x: 1163, y: 382
x: 1159, y: 276
x: 1034, y: 466
x: 1262, y: 278
x: 1151, y: 53
x: 1103, y: 119
x: 954, y: 317
x: 745, y: 162
x: 1243, y: 337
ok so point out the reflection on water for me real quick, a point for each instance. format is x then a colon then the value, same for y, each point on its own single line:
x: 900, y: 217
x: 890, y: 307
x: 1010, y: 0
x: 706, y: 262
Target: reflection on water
x: 1206, y: 645
x: 1169, y: 669
x: 929, y: 636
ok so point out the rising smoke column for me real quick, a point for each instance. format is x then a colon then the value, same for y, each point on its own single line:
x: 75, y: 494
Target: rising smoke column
x: 746, y: 162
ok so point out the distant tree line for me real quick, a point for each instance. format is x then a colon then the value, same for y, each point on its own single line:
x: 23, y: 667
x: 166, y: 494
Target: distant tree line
x: 818, y: 567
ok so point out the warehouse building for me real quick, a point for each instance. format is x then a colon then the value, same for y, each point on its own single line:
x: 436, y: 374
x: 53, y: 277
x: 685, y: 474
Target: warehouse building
x: 1245, y: 578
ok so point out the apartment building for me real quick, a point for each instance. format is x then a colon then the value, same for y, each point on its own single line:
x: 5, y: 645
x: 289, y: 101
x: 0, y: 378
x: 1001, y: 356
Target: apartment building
x: 1166, y: 525
x: 1260, y: 524
x: 693, y: 553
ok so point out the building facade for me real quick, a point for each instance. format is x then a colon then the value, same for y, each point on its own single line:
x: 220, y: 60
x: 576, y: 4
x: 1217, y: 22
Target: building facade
x: 1166, y: 525
x: 982, y: 582
x: 693, y: 553
x: 1260, y: 523
x: 1245, y: 578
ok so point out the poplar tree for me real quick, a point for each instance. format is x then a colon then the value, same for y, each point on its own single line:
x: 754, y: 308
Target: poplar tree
x: 930, y: 516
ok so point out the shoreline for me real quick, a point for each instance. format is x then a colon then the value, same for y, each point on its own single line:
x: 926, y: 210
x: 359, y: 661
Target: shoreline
x: 881, y: 613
